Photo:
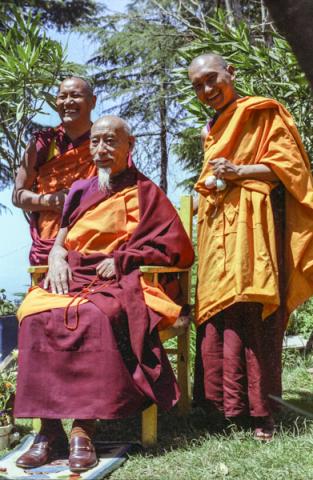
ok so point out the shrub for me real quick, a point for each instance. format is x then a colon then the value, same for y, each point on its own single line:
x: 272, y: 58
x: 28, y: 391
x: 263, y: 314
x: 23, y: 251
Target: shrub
x: 7, y: 391
x: 7, y: 307
x: 301, y: 320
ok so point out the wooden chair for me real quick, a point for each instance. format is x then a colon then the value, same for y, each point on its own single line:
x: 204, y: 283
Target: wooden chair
x: 151, y: 273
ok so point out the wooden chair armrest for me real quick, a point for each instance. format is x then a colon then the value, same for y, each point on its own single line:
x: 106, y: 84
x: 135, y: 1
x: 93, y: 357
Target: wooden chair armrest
x: 157, y: 269
x: 38, y: 269
x: 171, y: 332
x: 37, y: 273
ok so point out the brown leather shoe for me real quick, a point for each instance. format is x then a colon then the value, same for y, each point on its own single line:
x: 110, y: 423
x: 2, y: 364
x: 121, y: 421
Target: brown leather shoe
x: 82, y: 455
x: 42, y: 451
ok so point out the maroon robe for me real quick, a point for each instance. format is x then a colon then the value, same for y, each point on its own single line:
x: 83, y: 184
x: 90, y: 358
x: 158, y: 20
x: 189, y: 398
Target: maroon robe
x: 113, y: 365
x: 41, y: 247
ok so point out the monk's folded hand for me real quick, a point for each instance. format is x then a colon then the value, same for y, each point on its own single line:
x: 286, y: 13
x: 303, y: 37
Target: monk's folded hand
x: 182, y: 322
x: 58, y: 276
x: 223, y: 168
x: 55, y: 200
x: 106, y: 268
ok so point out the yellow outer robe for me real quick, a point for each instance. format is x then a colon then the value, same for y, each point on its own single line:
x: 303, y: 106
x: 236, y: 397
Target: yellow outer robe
x: 236, y: 234
x: 99, y: 230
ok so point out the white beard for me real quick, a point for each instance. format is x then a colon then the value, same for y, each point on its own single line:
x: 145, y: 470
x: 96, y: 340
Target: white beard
x: 104, y: 179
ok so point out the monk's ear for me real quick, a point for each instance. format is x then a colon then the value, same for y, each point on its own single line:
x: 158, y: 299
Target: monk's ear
x: 131, y: 142
x: 232, y: 72
x: 93, y: 101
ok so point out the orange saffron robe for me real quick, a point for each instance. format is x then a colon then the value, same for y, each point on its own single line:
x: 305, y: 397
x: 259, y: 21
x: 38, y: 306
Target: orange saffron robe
x: 57, y: 173
x: 236, y: 234
x: 102, y: 229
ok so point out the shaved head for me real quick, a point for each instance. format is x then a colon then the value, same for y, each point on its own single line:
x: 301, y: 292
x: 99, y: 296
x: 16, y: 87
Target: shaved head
x: 84, y: 84
x: 115, y: 122
x: 207, y: 58
x: 110, y: 145
x: 213, y: 80
x: 75, y: 101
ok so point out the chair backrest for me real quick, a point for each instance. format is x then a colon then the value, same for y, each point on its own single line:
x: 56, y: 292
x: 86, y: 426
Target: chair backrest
x: 185, y: 213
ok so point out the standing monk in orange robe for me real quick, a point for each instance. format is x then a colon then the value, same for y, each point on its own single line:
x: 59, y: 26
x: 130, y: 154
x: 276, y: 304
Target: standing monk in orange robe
x: 255, y: 242
x: 53, y: 160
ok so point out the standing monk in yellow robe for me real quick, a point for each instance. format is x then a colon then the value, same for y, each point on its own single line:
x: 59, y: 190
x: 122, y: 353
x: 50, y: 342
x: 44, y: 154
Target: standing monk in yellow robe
x: 255, y: 245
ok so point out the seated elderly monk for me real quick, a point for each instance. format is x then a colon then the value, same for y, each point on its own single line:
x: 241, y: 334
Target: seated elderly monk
x: 89, y: 348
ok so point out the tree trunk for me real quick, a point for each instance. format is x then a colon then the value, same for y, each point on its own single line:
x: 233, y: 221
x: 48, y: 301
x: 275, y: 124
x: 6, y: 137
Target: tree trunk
x: 237, y: 9
x: 267, y: 35
x: 264, y: 17
x: 294, y: 20
x: 163, y: 141
x: 229, y: 10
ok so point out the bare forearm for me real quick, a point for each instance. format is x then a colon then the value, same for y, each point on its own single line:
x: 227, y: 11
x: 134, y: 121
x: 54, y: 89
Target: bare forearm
x: 30, y: 201
x: 58, y: 251
x: 34, y: 202
x: 223, y: 168
x: 23, y: 196
x: 257, y: 172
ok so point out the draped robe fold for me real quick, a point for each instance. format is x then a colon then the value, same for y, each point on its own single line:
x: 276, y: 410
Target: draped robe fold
x: 113, y: 364
x: 243, y: 258
x: 60, y: 162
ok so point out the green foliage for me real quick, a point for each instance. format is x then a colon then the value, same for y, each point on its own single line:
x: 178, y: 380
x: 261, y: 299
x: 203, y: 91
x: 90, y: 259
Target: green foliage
x: 29, y: 66
x: 137, y: 53
x: 265, y: 66
x: 60, y: 14
x: 7, y: 307
x: 188, y: 149
x: 301, y: 320
x: 7, y: 390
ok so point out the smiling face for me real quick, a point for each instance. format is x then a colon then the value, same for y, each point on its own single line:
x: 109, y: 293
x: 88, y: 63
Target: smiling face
x: 212, y: 81
x: 74, y: 102
x: 110, y: 143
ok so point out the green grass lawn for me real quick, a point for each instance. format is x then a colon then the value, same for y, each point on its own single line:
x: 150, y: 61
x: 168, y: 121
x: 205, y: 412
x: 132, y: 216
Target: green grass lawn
x: 197, y: 447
